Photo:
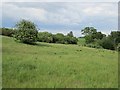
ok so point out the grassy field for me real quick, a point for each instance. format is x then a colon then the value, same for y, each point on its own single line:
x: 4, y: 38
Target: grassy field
x: 57, y: 66
x: 81, y: 41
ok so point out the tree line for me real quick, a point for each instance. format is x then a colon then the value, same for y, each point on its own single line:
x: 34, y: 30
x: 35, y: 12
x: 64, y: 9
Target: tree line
x: 97, y: 39
x: 27, y: 32
x: 57, y: 38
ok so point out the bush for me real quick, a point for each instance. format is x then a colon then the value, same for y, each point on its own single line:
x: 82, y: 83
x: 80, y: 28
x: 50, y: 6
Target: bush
x: 89, y: 39
x: 7, y: 32
x: 107, y: 43
x: 92, y: 45
x: 26, y: 32
x: 45, y: 37
x: 56, y: 38
x: 59, y: 38
x: 71, y: 40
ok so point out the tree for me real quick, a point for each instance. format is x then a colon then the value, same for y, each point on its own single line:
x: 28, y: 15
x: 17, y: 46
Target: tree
x: 107, y: 43
x: 115, y: 38
x: 88, y: 30
x: 89, y: 39
x: 111, y: 41
x: 70, y: 34
x: 59, y: 38
x: 70, y: 40
x: 26, y: 31
x: 99, y: 35
x: 91, y: 34
x: 45, y: 37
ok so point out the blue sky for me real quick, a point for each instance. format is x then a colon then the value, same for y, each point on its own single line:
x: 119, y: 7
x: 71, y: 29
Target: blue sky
x: 63, y: 17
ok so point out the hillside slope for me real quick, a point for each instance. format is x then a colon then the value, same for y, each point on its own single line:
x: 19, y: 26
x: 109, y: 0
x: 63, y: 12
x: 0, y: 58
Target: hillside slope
x: 56, y: 65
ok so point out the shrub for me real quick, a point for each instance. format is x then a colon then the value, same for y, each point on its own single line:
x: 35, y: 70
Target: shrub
x: 26, y: 32
x: 59, y: 38
x: 92, y: 45
x: 45, y: 37
x: 71, y: 40
x: 56, y: 38
x: 7, y: 32
x: 107, y: 43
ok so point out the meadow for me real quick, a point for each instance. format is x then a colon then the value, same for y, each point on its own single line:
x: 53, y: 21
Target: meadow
x: 57, y: 66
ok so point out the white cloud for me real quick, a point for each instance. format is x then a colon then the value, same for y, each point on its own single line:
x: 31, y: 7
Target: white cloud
x: 102, y: 9
x: 17, y: 13
x: 93, y: 10
x: 60, y: 0
x: 69, y: 14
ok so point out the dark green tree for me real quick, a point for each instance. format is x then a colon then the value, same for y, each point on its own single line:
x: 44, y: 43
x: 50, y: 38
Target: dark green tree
x: 107, y: 43
x: 99, y: 35
x: 88, y: 30
x: 115, y: 38
x: 91, y: 34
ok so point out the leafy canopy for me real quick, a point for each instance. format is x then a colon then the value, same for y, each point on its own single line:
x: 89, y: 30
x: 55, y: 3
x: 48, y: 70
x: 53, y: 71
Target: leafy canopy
x: 26, y: 31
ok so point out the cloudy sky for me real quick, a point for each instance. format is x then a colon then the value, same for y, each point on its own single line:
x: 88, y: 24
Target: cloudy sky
x: 63, y: 17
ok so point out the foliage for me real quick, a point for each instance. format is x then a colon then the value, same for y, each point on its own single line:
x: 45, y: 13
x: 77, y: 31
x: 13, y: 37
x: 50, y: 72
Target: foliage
x: 59, y: 38
x: 98, y: 35
x: 89, y: 39
x: 45, y: 37
x: 111, y: 41
x: 7, y: 31
x: 107, y: 42
x: 26, y: 31
x: 56, y: 38
x: 71, y: 40
x: 92, y: 45
x: 115, y: 37
x: 91, y: 34
x: 88, y: 30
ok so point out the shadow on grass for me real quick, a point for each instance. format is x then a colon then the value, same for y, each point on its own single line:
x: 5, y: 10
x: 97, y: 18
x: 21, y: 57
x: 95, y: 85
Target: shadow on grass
x: 42, y: 44
x: 37, y: 44
x: 34, y: 43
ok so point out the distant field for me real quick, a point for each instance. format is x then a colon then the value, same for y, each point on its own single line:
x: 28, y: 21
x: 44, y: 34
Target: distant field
x: 57, y: 66
x: 81, y: 41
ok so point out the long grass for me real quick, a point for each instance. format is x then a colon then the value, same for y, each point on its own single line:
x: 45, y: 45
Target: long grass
x: 57, y: 66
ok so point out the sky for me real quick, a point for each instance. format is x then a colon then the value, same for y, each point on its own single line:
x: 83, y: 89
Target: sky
x: 63, y: 17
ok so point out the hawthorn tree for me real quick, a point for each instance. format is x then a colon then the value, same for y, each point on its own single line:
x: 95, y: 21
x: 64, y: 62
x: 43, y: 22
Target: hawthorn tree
x: 26, y: 32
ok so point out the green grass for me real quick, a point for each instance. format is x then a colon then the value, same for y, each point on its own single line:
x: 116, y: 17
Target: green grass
x: 81, y: 41
x: 57, y: 66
